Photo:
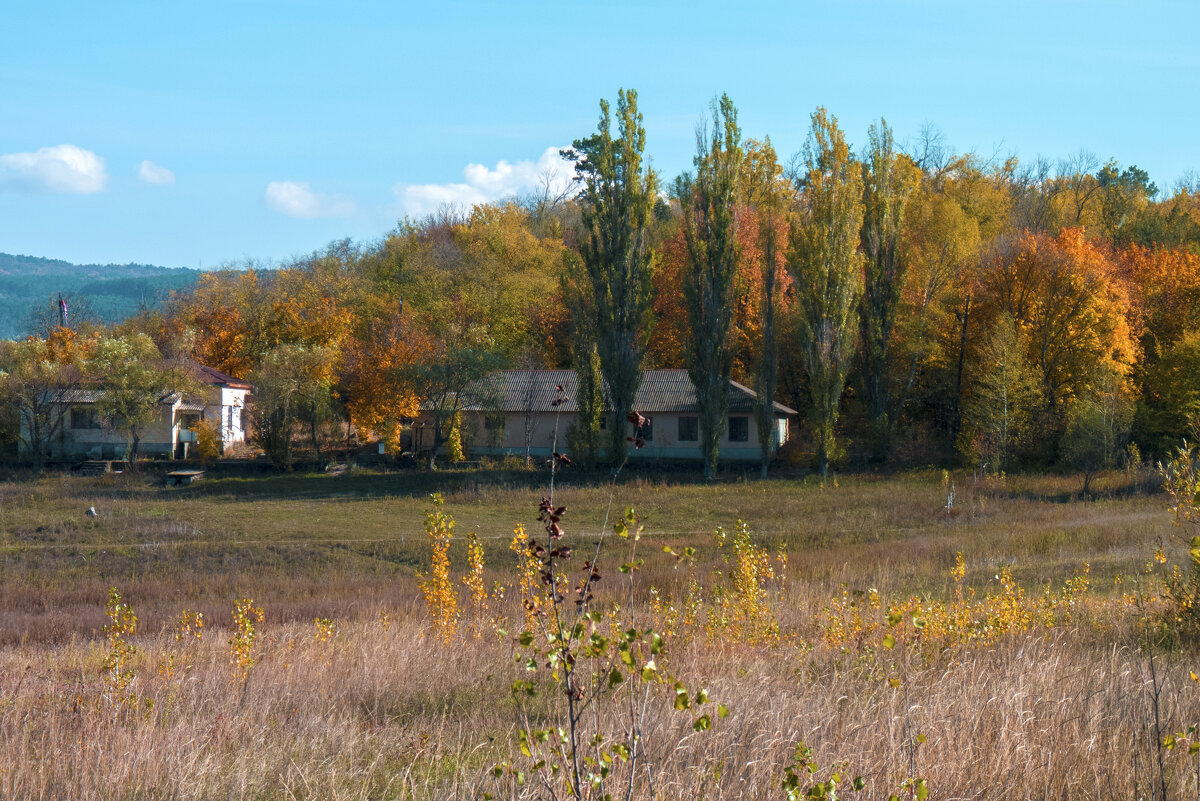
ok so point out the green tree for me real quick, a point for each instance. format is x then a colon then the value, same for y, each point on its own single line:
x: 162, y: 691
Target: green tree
x: 584, y: 433
x: 291, y: 383
x: 824, y: 258
x: 710, y: 208
x: 617, y: 260
x: 37, y: 382
x: 316, y: 397
x: 888, y: 180
x: 135, y: 385
x: 1005, y: 394
x: 1123, y: 195
x: 1170, y: 397
x: 1097, y: 428
x: 766, y: 192
x: 453, y: 376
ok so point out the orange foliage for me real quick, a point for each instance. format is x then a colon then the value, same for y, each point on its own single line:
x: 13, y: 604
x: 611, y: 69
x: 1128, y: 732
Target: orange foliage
x: 67, y: 346
x: 239, y: 316
x: 374, y: 386
x: 1168, y: 291
x: 669, y: 337
x: 669, y: 341
x: 1070, y: 299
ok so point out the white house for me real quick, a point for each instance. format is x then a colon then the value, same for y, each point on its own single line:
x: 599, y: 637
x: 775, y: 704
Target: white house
x: 221, y: 401
x: 520, y: 409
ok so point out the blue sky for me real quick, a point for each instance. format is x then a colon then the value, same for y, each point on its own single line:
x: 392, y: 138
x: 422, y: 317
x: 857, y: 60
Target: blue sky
x: 201, y: 133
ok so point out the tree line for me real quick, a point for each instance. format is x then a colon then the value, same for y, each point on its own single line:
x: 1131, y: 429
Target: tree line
x: 917, y: 305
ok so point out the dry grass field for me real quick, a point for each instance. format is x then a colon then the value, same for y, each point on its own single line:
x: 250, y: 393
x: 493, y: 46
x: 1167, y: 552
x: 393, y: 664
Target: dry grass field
x: 844, y: 621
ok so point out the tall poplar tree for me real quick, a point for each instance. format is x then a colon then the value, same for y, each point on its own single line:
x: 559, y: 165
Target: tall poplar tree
x: 824, y: 257
x: 710, y: 209
x: 888, y: 180
x: 765, y: 191
x: 616, y: 208
x: 584, y: 434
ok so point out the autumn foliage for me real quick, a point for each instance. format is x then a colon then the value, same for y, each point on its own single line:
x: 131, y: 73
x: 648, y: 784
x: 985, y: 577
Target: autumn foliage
x: 1078, y: 281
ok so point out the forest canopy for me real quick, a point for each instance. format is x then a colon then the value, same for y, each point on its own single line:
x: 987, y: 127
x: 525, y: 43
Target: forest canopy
x: 916, y: 304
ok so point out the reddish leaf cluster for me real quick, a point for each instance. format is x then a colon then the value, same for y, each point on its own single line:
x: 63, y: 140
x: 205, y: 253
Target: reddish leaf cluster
x: 639, y: 422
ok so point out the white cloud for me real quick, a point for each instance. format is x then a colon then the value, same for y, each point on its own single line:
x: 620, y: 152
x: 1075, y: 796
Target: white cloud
x: 62, y: 169
x: 296, y: 199
x: 156, y: 174
x: 485, y: 185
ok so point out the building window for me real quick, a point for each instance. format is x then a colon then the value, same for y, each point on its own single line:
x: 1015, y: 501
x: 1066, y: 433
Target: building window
x: 689, y: 429
x: 84, y: 417
x: 739, y: 429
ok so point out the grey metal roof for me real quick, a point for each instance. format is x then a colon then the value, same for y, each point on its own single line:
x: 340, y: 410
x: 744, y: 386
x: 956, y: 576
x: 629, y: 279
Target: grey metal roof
x: 661, y: 391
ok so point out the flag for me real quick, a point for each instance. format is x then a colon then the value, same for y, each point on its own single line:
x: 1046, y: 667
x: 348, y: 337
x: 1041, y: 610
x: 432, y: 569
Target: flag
x: 62, y: 311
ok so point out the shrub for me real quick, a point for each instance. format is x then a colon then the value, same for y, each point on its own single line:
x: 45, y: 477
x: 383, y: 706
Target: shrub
x: 208, y: 442
x: 441, y: 598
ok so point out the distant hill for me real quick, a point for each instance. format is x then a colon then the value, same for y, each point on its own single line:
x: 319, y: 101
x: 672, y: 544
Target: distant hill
x: 105, y: 293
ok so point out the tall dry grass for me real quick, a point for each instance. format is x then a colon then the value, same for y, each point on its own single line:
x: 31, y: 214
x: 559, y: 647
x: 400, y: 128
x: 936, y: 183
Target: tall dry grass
x: 389, y: 713
x: 381, y: 709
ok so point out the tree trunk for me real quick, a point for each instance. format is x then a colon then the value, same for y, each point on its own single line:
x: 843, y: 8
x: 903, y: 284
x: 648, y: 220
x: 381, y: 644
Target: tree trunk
x: 312, y: 427
x: 964, y: 318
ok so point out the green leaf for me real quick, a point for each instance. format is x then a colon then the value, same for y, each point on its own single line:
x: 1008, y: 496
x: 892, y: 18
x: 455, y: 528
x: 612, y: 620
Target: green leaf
x: 703, y: 723
x: 615, y: 678
x: 722, y: 711
x: 858, y: 783
x: 889, y: 641
x: 920, y: 738
x: 922, y: 790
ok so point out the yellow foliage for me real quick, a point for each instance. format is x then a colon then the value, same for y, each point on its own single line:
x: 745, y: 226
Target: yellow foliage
x: 246, y: 617
x: 441, y: 599
x: 858, y: 621
x: 208, y: 442
x: 454, y: 443
x: 118, y: 662
x: 528, y: 586
x: 473, y: 581
x: 742, y: 610
x: 324, y: 629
